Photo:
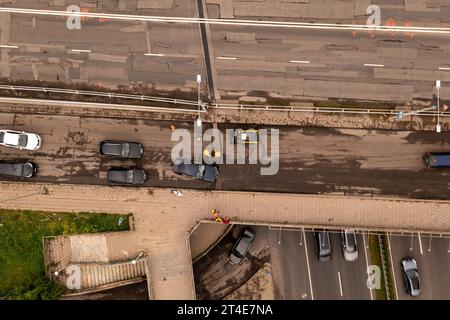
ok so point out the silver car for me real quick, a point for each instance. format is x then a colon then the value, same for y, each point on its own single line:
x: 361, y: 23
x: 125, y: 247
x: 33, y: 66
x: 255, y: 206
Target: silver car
x: 411, y: 277
x: 349, y: 245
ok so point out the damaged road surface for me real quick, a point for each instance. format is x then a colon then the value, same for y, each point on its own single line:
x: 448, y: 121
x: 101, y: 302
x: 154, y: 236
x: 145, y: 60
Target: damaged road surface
x: 312, y: 160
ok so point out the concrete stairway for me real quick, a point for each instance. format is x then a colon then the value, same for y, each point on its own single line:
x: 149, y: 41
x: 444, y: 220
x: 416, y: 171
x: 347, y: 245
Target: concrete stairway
x: 95, y: 275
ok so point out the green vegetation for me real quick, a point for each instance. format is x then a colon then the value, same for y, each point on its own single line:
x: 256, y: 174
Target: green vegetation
x: 22, y: 270
x: 376, y: 259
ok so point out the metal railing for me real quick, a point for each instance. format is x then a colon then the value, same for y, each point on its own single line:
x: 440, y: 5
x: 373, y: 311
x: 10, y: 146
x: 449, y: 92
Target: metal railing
x: 111, y: 95
x: 387, y: 112
x: 192, y: 106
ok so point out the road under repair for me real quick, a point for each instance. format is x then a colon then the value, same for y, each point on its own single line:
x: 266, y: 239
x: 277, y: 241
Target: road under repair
x: 312, y: 160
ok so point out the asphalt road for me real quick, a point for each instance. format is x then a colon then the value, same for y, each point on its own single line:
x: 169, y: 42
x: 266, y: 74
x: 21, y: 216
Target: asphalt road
x: 289, y: 267
x: 117, y: 48
x: 312, y: 160
x: 244, y: 61
x: 299, y: 275
x: 433, y: 260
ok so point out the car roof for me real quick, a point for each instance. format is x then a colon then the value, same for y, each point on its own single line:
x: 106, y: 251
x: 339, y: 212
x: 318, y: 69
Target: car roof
x: 324, y: 239
x: 439, y: 159
x: 11, y: 138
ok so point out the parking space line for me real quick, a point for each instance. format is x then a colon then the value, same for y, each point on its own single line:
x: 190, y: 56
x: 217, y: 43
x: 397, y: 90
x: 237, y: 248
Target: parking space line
x: 300, y: 61
x: 373, y: 65
x: 307, y: 264
x: 226, y: 58
x: 444, y: 68
x: 81, y: 50
x: 420, y: 244
x: 154, y: 54
x: 392, y: 264
x: 5, y: 46
x: 367, y: 264
x: 340, y: 284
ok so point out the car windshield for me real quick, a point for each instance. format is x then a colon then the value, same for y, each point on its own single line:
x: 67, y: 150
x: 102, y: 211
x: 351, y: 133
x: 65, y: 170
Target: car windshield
x: 23, y: 139
x: 125, y: 150
x: 2, y: 136
x: 200, y: 171
x: 130, y: 176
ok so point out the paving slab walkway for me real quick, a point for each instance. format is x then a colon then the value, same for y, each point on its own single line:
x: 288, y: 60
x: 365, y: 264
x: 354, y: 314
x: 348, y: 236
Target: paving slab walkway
x: 163, y: 220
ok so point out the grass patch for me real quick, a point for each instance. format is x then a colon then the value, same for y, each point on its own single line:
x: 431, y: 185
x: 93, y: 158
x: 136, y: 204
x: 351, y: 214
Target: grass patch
x: 22, y: 270
x: 376, y: 259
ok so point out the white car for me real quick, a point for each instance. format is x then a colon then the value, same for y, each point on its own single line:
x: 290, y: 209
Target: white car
x: 349, y: 245
x: 20, y: 140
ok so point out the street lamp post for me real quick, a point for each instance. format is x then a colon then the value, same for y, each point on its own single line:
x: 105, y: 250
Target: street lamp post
x: 199, y: 101
x: 438, y: 125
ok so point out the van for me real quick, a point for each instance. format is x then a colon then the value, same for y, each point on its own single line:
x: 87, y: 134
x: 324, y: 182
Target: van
x: 437, y: 159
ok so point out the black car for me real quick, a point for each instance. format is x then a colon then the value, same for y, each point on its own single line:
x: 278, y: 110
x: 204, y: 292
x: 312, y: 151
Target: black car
x: 123, y: 150
x: 132, y: 176
x: 241, y: 246
x: 203, y: 172
x: 20, y: 170
x: 323, y: 245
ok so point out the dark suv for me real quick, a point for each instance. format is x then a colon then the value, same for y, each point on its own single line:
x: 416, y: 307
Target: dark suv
x: 131, y: 176
x: 203, y: 172
x: 20, y: 170
x: 241, y: 246
x: 323, y: 245
x: 122, y: 150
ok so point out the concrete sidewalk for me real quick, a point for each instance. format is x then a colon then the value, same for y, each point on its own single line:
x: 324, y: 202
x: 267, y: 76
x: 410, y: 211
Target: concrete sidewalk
x: 163, y: 220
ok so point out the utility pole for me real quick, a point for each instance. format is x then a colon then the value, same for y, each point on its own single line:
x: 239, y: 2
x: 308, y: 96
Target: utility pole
x: 199, y: 100
x: 438, y: 125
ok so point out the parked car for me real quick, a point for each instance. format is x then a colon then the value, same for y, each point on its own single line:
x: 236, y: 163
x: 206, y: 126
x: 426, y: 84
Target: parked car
x: 437, y: 159
x: 323, y: 245
x: 203, y: 172
x: 411, y: 277
x: 132, y: 176
x: 20, y: 140
x: 241, y: 246
x: 123, y: 150
x: 349, y: 245
x: 20, y: 170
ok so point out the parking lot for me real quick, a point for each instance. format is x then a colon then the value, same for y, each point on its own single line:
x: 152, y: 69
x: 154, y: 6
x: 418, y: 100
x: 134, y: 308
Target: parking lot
x: 299, y: 275
x: 433, y: 261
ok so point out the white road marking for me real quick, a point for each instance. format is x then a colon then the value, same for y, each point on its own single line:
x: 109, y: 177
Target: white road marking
x: 444, y: 68
x: 226, y: 58
x: 340, y: 284
x: 373, y: 65
x: 300, y: 61
x: 5, y: 46
x: 307, y: 264
x: 187, y: 20
x: 81, y: 50
x: 392, y: 265
x: 367, y: 264
x: 420, y: 244
x: 154, y: 54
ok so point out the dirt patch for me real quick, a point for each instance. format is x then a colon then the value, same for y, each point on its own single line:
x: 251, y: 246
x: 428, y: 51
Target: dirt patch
x: 258, y: 287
